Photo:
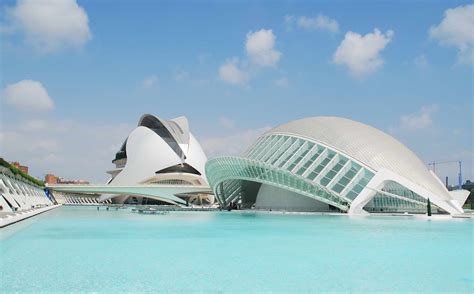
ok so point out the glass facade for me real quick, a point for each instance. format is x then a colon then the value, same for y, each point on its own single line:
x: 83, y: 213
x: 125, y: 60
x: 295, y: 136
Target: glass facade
x: 292, y: 163
x: 313, y: 162
x: 172, y: 182
x: 396, y: 198
x: 227, y: 173
x: 309, y: 168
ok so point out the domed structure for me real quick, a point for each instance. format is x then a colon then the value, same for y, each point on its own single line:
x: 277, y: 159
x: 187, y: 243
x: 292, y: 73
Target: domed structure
x: 329, y: 163
x: 162, y: 152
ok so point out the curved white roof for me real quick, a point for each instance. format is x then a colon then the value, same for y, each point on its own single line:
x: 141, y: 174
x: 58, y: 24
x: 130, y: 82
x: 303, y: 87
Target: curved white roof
x: 147, y: 151
x: 177, y: 127
x: 366, y: 144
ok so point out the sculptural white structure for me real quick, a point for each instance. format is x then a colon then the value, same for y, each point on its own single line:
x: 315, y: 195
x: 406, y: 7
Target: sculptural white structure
x: 159, y: 152
x: 330, y: 163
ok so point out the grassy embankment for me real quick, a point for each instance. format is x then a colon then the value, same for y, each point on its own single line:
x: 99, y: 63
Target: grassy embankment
x: 18, y: 172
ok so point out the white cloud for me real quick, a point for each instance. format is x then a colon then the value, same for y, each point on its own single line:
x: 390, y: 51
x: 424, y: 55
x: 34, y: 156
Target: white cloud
x: 28, y: 95
x: 361, y: 54
x: 231, y: 73
x: 421, y: 61
x: 60, y: 147
x: 429, y: 133
x: 35, y: 125
x: 457, y: 29
x: 420, y: 120
x: 282, y: 82
x: 232, y: 144
x: 320, y: 22
x: 51, y: 24
x: 260, y: 48
x: 150, y: 82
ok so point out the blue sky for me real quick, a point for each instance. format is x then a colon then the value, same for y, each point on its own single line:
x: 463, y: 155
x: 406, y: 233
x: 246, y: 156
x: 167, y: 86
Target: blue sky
x: 106, y: 63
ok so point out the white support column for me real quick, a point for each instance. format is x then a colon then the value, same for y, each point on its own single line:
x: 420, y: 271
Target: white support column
x: 384, y: 175
x: 369, y: 191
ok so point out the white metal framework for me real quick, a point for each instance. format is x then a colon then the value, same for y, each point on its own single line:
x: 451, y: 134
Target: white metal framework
x: 158, y: 152
x: 20, y: 195
x: 345, y: 164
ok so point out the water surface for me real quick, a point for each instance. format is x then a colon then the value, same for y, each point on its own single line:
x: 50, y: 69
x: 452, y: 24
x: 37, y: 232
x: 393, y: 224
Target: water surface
x: 84, y: 250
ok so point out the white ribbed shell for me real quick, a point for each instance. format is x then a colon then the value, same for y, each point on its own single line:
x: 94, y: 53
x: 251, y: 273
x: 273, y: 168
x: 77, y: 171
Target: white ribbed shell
x: 147, y: 152
x: 368, y: 145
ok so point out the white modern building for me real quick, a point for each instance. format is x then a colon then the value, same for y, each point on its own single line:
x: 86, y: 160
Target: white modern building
x: 330, y: 164
x: 18, y: 194
x: 71, y: 198
x: 160, y: 153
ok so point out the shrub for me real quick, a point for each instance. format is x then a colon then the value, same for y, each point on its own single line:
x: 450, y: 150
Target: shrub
x: 18, y: 172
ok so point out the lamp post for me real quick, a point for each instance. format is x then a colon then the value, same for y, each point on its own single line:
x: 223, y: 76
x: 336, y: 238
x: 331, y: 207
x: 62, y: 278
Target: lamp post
x: 428, y: 207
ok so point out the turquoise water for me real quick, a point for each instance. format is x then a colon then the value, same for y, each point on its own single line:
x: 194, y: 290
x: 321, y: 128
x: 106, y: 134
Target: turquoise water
x: 85, y: 250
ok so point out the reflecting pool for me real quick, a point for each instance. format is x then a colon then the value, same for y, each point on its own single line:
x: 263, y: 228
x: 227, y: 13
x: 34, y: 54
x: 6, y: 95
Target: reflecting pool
x: 84, y: 250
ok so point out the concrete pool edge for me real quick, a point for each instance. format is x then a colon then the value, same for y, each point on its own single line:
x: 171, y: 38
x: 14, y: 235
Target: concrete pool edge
x: 9, y: 220
x: 465, y: 216
x: 4, y: 222
x: 409, y: 215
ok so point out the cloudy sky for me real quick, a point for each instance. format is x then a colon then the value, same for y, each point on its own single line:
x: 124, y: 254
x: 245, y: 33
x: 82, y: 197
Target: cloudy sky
x: 77, y: 75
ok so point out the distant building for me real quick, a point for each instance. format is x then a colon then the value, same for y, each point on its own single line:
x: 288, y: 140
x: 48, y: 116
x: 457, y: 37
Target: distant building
x: 23, y: 168
x: 468, y: 185
x: 52, y: 179
x: 73, y: 182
